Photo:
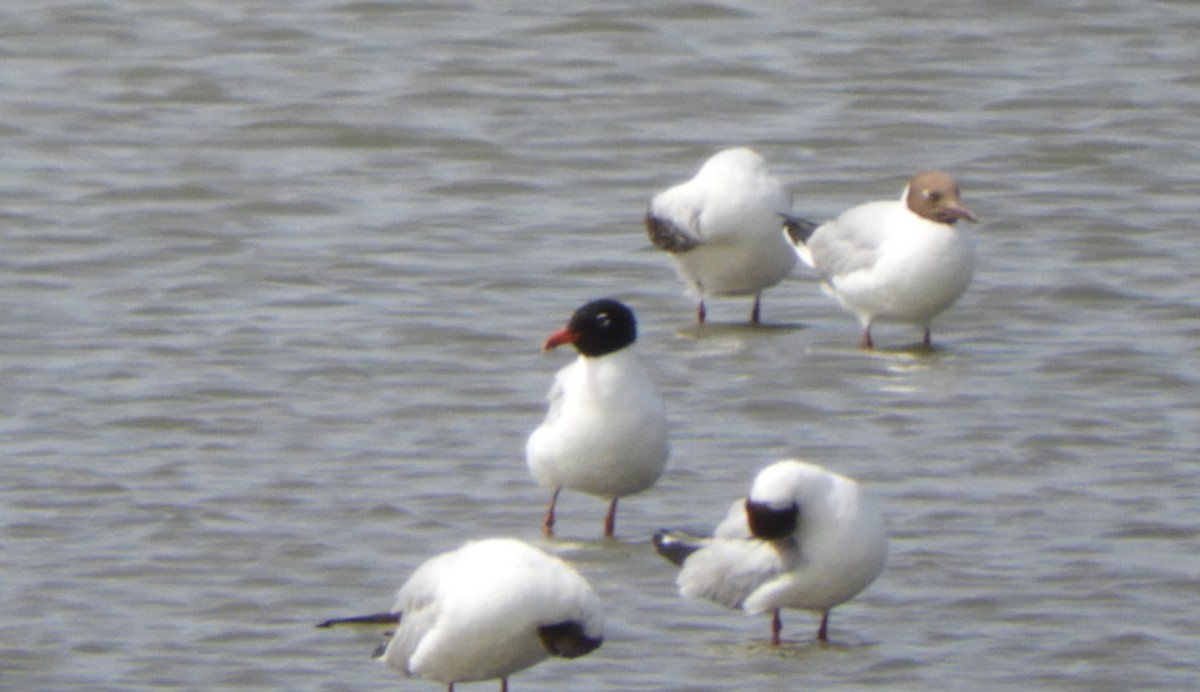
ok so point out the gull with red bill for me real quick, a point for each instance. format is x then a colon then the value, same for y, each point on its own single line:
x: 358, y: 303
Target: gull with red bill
x: 605, y: 433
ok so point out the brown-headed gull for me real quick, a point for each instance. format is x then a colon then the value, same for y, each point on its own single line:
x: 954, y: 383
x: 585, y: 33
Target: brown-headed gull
x: 804, y: 538
x: 605, y: 433
x: 487, y: 610
x: 722, y: 228
x: 898, y: 260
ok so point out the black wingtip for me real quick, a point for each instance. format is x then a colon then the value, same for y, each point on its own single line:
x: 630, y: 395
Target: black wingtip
x: 672, y: 547
x: 372, y: 619
x: 666, y: 236
x: 568, y: 640
x: 798, y: 229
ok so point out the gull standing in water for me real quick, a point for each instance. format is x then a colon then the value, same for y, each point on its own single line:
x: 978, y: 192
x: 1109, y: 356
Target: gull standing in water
x: 722, y: 228
x: 605, y: 433
x: 900, y: 260
x: 804, y: 538
x: 485, y: 611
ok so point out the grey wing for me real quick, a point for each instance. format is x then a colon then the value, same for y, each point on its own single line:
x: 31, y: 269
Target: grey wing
x: 728, y: 571
x: 839, y: 254
x: 419, y: 600
x: 852, y: 242
x: 415, y: 624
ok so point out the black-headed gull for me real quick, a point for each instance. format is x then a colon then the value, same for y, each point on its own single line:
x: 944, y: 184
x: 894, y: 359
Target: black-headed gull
x: 485, y: 611
x: 898, y: 260
x: 804, y: 538
x: 722, y: 228
x: 605, y: 433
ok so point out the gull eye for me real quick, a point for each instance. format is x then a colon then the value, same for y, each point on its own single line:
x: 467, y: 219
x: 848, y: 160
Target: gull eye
x: 603, y: 319
x: 933, y: 196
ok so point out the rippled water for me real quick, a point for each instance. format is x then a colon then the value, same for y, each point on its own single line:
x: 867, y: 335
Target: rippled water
x: 275, y: 276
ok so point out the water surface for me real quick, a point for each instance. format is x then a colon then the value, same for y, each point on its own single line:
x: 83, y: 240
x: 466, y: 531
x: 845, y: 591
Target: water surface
x: 276, y: 276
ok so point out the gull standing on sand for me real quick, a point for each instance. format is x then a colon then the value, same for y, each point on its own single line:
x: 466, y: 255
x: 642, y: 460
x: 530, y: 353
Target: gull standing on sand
x: 804, y: 538
x: 898, y: 260
x: 722, y: 228
x: 485, y: 611
x: 605, y: 433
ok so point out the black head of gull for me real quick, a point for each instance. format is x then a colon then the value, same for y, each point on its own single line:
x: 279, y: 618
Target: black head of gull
x: 769, y: 522
x: 598, y: 328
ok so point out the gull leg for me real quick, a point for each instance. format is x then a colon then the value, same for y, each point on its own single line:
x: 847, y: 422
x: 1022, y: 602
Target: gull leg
x: 548, y: 522
x: 610, y: 519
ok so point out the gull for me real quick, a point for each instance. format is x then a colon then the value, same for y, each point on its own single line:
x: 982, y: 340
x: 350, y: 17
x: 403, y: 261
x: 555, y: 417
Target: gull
x: 900, y: 260
x: 485, y: 611
x: 804, y: 538
x: 722, y: 228
x: 605, y: 433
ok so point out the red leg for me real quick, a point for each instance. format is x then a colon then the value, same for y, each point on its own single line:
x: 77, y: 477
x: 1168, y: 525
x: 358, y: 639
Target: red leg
x: 866, y: 338
x: 610, y: 519
x: 776, y: 628
x: 701, y: 313
x: 823, y: 631
x: 756, y: 310
x: 928, y: 339
x: 503, y: 684
x: 548, y: 522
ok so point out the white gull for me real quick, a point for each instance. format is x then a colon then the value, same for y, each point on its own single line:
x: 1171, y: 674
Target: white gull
x: 722, y: 228
x: 900, y: 260
x: 605, y: 433
x: 804, y: 538
x: 487, y: 610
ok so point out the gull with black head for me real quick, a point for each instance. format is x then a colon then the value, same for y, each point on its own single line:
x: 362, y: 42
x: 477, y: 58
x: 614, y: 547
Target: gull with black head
x: 605, y: 433
x: 803, y: 538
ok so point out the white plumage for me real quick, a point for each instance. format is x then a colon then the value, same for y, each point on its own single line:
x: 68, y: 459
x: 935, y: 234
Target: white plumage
x: 487, y: 610
x: 721, y: 228
x: 605, y: 433
x: 900, y: 260
x: 830, y: 543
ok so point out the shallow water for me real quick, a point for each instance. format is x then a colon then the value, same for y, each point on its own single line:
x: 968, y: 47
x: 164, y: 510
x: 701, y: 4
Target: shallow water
x: 276, y: 276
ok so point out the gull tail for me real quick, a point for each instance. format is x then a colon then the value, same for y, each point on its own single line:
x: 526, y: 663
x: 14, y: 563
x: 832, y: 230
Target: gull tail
x: 798, y: 230
x: 677, y: 546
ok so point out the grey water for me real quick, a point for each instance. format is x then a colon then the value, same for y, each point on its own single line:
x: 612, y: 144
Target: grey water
x: 275, y: 277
